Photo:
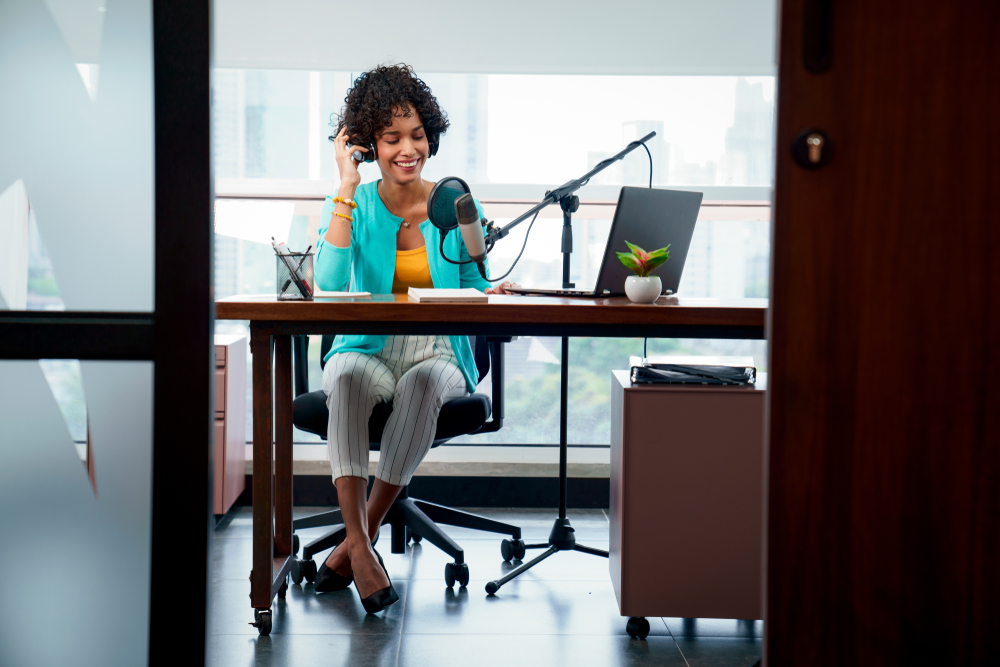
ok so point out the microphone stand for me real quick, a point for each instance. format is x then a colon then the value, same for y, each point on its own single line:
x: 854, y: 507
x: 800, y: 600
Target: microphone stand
x: 562, y: 536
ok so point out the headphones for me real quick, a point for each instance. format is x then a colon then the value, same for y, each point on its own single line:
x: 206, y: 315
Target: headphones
x: 372, y: 153
x: 370, y: 156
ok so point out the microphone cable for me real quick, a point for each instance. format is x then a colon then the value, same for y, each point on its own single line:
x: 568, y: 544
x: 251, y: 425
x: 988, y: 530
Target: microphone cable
x: 532, y: 224
x: 650, y: 156
x: 518, y: 258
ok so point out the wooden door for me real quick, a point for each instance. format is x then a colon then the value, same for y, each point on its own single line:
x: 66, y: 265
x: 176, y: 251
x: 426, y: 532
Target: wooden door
x: 884, y: 388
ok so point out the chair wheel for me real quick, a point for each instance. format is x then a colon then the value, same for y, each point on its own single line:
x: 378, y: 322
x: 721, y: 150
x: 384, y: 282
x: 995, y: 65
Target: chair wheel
x: 456, y: 572
x: 416, y: 538
x: 295, y: 544
x: 262, y: 621
x: 512, y: 550
x: 296, y: 572
x: 283, y: 591
x: 308, y: 570
x: 637, y: 628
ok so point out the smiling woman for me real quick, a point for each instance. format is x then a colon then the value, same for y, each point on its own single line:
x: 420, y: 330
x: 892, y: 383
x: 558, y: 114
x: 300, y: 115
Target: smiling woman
x: 369, y: 242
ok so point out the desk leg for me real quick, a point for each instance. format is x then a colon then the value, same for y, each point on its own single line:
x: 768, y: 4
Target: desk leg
x: 263, y: 500
x: 282, y: 445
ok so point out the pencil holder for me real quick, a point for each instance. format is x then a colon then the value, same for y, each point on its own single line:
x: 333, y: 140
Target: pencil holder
x: 297, y: 287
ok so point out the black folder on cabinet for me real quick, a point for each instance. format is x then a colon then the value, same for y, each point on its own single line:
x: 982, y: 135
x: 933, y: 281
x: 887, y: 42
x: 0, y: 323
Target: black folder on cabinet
x: 668, y: 369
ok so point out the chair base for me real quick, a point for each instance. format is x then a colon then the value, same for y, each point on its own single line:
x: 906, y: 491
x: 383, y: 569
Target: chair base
x: 409, y: 518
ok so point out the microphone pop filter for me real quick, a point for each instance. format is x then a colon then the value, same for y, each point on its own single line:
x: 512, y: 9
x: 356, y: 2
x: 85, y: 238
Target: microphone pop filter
x: 441, y: 203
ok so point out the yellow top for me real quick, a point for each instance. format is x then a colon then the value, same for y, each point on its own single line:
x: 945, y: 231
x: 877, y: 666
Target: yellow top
x: 412, y: 270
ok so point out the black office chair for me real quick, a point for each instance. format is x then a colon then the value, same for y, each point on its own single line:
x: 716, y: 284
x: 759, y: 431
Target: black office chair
x: 409, y: 518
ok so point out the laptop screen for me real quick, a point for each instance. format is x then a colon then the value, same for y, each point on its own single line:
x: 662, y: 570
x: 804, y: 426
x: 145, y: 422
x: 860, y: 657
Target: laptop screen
x: 650, y: 219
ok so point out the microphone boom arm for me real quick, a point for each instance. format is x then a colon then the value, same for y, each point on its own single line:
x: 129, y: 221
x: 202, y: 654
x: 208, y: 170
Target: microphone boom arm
x: 553, y: 196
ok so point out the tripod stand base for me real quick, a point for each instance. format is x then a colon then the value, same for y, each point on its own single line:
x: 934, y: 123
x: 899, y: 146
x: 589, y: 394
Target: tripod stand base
x: 562, y: 537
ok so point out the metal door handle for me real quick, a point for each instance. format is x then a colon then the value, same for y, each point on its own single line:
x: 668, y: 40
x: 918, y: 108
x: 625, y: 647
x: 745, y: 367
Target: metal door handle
x: 812, y: 149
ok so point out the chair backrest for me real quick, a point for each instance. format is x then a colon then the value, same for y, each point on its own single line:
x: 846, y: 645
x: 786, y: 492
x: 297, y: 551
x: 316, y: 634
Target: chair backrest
x: 480, y: 351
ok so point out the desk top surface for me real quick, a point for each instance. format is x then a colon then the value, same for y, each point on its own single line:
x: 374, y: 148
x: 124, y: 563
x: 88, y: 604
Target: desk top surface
x: 506, y: 309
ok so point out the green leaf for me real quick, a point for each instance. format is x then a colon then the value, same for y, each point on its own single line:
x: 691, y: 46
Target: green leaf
x: 630, y: 261
x: 653, y: 263
x: 662, y: 252
x: 637, y: 251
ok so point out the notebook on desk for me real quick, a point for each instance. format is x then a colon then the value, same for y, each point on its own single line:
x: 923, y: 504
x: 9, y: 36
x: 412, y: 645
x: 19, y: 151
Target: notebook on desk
x: 651, y: 219
x: 465, y: 295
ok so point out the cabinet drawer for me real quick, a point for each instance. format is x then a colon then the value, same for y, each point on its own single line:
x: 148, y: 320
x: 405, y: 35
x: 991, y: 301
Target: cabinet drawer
x: 220, y: 393
x: 219, y: 458
x: 220, y: 356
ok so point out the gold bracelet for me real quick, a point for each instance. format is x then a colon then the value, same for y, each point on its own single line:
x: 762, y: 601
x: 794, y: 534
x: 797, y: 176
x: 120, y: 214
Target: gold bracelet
x: 344, y: 216
x: 341, y: 200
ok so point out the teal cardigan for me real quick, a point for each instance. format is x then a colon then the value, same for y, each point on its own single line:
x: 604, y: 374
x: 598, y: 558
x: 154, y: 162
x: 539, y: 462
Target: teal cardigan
x: 369, y: 264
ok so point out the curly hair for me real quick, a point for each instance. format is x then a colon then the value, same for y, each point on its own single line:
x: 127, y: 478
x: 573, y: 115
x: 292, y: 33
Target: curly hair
x: 387, y: 91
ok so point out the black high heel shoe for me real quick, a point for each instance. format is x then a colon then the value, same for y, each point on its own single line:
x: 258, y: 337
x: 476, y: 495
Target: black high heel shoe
x: 381, y: 598
x: 328, y: 581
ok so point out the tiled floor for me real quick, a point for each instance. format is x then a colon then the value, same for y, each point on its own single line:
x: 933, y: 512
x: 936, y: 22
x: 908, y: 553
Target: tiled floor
x: 561, y: 612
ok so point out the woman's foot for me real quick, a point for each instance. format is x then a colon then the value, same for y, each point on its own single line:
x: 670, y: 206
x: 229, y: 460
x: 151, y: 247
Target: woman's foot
x: 369, y: 576
x: 339, y: 561
x: 328, y: 579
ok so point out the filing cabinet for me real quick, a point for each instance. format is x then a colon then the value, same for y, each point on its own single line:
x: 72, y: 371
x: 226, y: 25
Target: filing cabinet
x: 229, y: 441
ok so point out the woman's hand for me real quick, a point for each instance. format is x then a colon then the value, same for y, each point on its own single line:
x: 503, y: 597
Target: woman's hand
x: 346, y: 164
x: 502, y: 288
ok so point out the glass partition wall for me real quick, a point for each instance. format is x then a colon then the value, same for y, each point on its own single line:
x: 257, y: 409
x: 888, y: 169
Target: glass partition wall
x: 105, y: 392
x: 274, y: 165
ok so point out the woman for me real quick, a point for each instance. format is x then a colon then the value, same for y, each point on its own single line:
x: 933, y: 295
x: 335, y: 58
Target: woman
x: 377, y: 238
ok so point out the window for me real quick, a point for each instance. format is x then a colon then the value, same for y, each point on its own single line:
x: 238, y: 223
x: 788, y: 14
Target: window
x: 714, y: 134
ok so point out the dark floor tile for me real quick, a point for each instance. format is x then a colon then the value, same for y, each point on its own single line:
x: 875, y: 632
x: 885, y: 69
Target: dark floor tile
x: 302, y: 611
x: 485, y: 562
x: 530, y: 650
x: 720, y: 651
x: 521, y: 607
x: 354, y: 650
x: 714, y: 627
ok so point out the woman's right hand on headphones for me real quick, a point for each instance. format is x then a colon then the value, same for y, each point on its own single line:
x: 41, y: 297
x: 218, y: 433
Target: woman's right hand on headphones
x: 346, y: 164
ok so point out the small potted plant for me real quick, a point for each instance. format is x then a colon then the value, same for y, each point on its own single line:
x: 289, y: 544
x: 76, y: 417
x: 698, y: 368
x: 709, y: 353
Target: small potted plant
x: 642, y: 287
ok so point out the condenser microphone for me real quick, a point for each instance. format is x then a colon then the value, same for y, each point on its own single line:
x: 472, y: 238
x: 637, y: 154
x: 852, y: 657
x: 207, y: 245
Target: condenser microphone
x: 471, y: 227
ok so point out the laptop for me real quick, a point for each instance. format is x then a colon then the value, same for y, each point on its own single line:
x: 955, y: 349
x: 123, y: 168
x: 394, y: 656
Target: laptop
x: 650, y: 219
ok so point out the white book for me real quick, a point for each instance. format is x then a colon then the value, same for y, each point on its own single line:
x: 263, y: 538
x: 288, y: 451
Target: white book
x: 466, y: 295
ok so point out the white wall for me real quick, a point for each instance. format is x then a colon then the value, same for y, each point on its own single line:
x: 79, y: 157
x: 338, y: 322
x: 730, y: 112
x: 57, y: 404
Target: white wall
x: 649, y: 37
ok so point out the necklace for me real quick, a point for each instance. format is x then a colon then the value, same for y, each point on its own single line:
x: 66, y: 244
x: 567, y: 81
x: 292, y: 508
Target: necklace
x: 406, y: 221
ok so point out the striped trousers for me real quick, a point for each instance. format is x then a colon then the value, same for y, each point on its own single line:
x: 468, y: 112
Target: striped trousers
x: 418, y: 374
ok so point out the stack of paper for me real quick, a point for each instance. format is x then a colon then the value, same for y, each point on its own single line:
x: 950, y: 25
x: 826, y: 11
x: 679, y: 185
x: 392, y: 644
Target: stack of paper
x: 466, y: 295
x: 693, y: 370
x: 356, y: 295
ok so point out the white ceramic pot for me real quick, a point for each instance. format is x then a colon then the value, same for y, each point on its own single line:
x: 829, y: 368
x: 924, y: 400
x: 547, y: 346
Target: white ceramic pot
x: 643, y: 290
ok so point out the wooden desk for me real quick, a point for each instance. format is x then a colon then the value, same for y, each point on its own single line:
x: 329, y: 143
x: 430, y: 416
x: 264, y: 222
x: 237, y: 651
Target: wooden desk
x: 272, y: 323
